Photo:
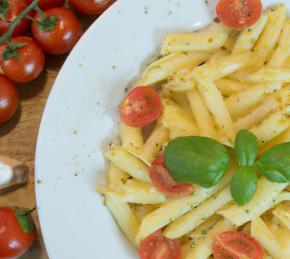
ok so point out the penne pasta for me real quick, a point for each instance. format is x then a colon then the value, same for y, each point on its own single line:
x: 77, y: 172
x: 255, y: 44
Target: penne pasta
x: 201, y: 114
x: 284, y: 137
x: 273, y: 126
x: 282, y: 212
x: 169, y: 65
x: 266, y: 195
x: 282, y: 52
x: 131, y: 138
x: 270, y: 35
x: 262, y: 233
x: 123, y: 215
x: 243, y: 102
x: 175, y: 208
x: 215, y: 104
x: 127, y: 162
x: 155, y: 142
x: 195, y: 217
x: 249, y: 36
x: 176, y: 120
x: 202, y: 247
x: 229, y: 87
x: 266, y: 106
x: 277, y: 75
x: 212, y: 39
x: 225, y: 66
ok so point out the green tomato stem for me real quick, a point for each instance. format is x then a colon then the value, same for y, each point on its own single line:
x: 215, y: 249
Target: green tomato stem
x: 6, y: 36
x: 39, y: 11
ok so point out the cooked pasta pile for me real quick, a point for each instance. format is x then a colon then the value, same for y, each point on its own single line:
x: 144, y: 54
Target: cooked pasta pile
x: 212, y: 83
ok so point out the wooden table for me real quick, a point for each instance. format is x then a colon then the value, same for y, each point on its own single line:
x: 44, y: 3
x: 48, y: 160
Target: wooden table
x: 18, y: 137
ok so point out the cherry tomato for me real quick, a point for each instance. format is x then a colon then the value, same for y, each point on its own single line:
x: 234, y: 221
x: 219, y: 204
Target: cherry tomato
x: 141, y: 107
x: 10, y: 13
x: 62, y: 37
x: 9, y: 99
x: 164, y: 182
x: 46, y: 4
x: 15, y: 237
x: 239, y: 14
x: 156, y: 246
x: 237, y: 245
x: 24, y: 64
x: 91, y: 6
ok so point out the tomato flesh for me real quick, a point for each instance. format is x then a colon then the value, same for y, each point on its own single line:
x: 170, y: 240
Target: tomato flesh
x: 16, y: 7
x: 164, y: 183
x: 239, y: 14
x: 9, y: 99
x: 236, y: 245
x: 141, y: 107
x: 28, y: 65
x: 62, y: 38
x: 91, y: 6
x: 14, y: 242
x: 156, y: 246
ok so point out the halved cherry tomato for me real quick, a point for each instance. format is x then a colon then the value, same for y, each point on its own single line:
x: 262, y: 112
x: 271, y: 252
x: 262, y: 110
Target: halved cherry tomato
x: 91, y: 6
x: 16, y: 232
x: 9, y: 99
x: 141, y: 107
x: 23, y: 61
x: 156, y: 246
x: 164, y: 182
x: 239, y: 14
x: 237, y: 245
x: 10, y: 10
x: 64, y: 33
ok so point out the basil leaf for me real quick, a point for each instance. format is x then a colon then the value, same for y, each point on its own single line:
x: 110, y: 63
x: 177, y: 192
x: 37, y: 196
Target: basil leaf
x: 275, y: 163
x: 198, y: 160
x: 244, y: 184
x: 246, y: 148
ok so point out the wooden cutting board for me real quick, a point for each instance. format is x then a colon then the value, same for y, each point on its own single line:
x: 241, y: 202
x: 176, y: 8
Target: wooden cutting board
x: 18, y: 137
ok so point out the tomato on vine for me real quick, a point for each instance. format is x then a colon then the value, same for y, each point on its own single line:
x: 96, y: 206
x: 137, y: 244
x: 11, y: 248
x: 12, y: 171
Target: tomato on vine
x: 57, y: 30
x: 46, y: 4
x: 17, y: 232
x: 91, y: 6
x: 9, y: 99
x: 9, y: 11
x: 21, y: 59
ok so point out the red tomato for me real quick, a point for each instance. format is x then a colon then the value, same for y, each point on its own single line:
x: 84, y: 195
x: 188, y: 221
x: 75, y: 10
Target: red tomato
x: 10, y: 13
x: 237, y: 245
x: 46, y: 4
x: 164, y: 182
x: 156, y: 246
x: 141, y: 107
x: 15, y: 240
x: 91, y: 6
x: 27, y: 65
x: 63, y: 36
x: 239, y: 14
x: 9, y: 99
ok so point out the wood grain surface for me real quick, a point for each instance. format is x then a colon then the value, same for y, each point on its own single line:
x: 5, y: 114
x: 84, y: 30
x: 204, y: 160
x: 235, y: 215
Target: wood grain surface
x: 19, y: 135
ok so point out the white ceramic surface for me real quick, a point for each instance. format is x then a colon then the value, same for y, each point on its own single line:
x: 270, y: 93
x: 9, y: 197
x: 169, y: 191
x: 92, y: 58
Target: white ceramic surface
x: 82, y: 115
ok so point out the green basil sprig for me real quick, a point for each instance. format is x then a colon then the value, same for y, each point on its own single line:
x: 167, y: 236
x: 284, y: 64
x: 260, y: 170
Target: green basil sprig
x: 275, y: 163
x: 204, y: 161
x: 198, y: 160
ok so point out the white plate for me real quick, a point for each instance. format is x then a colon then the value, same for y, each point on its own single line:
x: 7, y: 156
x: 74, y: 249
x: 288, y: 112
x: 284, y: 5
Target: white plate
x: 82, y: 114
